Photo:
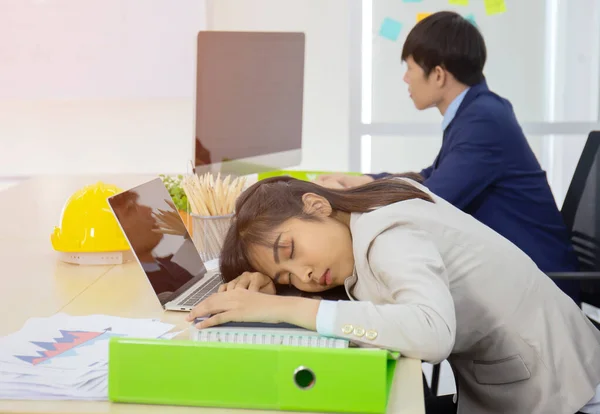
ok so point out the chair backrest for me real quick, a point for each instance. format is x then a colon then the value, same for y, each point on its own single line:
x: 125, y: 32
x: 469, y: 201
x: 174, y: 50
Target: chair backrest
x: 581, y: 208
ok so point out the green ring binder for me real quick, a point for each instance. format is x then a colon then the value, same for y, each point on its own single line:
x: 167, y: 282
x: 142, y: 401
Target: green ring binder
x: 208, y: 374
x: 304, y: 378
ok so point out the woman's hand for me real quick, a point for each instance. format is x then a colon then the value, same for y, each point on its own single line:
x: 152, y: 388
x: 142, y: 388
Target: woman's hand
x: 253, y: 281
x: 241, y: 305
x: 238, y: 305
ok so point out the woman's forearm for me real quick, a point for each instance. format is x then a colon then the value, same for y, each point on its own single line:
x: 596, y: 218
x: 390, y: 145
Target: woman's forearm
x: 298, y: 311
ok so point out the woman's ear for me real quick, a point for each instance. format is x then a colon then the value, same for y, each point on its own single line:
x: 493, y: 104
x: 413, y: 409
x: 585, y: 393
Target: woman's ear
x: 316, y: 205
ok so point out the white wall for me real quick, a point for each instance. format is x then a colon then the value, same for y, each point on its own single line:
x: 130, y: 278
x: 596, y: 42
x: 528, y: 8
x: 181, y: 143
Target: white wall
x: 577, y: 86
x: 325, y: 126
x: 514, y: 66
x: 97, y: 86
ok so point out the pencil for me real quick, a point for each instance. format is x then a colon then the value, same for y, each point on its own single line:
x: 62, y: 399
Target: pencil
x: 211, y: 200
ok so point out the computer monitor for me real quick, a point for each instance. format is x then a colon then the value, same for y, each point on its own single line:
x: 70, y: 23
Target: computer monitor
x: 249, y: 101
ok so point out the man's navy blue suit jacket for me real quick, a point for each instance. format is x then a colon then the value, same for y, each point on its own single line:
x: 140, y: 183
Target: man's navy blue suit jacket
x: 486, y: 168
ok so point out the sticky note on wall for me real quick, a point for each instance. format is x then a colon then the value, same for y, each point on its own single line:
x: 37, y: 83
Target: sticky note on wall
x: 459, y: 2
x: 390, y: 29
x: 471, y: 19
x: 421, y: 16
x: 494, y: 6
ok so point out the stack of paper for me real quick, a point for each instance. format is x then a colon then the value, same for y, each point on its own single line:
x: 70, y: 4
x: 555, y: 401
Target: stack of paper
x: 65, y: 357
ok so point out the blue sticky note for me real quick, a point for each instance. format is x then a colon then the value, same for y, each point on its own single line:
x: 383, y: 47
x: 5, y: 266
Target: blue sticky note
x: 471, y: 19
x: 390, y: 29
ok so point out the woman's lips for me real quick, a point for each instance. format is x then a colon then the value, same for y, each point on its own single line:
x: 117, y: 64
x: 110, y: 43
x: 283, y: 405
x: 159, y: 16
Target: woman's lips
x: 325, y: 280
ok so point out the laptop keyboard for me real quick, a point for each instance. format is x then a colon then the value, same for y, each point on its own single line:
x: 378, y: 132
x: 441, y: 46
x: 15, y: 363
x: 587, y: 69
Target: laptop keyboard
x: 202, y: 292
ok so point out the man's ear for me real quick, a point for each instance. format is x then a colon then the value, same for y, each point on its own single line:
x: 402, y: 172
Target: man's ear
x: 439, y: 76
x: 316, y: 205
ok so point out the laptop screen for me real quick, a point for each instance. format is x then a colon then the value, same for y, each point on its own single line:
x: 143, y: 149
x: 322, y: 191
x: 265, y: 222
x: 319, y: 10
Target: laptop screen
x: 158, y: 238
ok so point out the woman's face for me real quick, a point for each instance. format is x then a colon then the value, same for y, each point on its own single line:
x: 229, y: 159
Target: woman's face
x: 311, y: 255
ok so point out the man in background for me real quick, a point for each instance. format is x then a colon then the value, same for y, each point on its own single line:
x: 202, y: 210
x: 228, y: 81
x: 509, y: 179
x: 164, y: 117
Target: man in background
x: 485, y: 165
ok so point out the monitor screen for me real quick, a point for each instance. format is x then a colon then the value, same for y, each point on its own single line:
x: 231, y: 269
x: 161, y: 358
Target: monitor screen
x: 249, y: 98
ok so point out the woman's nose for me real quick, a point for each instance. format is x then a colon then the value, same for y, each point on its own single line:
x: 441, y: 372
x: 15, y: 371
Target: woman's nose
x: 306, y: 276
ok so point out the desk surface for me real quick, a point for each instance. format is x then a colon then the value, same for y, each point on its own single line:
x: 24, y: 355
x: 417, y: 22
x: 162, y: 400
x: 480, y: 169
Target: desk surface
x: 34, y: 283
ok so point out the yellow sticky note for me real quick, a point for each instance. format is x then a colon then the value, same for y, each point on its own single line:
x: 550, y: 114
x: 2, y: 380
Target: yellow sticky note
x: 459, y: 2
x: 494, y: 6
x: 421, y: 16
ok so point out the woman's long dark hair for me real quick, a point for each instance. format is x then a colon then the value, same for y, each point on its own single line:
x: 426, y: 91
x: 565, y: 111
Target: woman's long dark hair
x: 270, y: 202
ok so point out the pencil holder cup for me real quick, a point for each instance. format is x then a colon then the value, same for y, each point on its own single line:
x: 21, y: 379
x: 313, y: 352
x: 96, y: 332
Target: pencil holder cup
x: 209, y: 234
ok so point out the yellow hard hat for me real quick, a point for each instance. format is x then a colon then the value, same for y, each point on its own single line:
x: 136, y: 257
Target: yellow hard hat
x: 87, y: 224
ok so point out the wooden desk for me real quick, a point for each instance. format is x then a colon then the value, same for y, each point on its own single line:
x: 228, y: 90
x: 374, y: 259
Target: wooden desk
x: 34, y: 283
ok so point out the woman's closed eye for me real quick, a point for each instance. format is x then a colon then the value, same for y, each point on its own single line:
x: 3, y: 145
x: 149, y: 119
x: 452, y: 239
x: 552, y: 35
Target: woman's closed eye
x: 285, y: 278
x: 291, y: 257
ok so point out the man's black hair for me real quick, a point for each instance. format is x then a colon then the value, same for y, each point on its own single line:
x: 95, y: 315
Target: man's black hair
x: 448, y: 40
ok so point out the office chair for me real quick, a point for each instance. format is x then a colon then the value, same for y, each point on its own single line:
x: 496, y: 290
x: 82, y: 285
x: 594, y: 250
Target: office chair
x: 581, y: 214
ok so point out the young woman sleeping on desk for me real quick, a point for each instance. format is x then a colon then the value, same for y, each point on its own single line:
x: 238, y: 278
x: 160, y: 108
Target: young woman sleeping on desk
x: 425, y: 279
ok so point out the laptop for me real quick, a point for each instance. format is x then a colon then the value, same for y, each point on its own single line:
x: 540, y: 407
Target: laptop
x: 163, y: 247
